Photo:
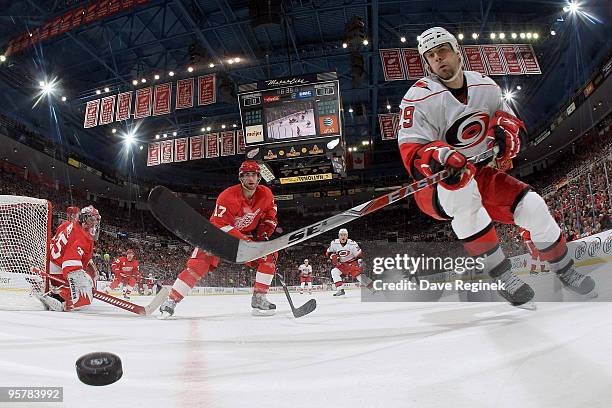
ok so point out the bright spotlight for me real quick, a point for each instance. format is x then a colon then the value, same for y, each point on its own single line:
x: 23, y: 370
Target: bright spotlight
x: 474, y: 36
x: 171, y: 73
x: 365, y: 42
x: 344, y: 45
x: 222, y: 126
x: 190, y: 69
x: 143, y: 80
x: 129, y: 138
x: 573, y: 7
x: 211, y: 65
x: 156, y: 76
x: 98, y: 92
x: 208, y: 128
x: 64, y: 99
x: 502, y: 35
x: 536, y: 36
x: 522, y: 35
x: 107, y: 89
x: 460, y: 36
x: 237, y: 59
x: 513, y: 35
x: 173, y: 133
x: 156, y: 137
x: 403, y: 39
x: 553, y: 32
x: 518, y: 87
x: 2, y: 58
x: 141, y: 147
x: 114, y: 130
x: 234, y: 125
x: 492, y: 36
x: 529, y: 35
x: 134, y: 82
x: 48, y: 88
x: 508, y: 96
x: 388, y: 107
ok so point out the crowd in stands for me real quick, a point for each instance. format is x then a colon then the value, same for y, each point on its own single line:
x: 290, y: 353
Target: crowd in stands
x: 577, y: 189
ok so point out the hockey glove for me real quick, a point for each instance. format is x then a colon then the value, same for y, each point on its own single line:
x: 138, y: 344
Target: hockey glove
x: 437, y: 156
x: 81, y: 289
x: 334, y: 259
x: 506, y: 129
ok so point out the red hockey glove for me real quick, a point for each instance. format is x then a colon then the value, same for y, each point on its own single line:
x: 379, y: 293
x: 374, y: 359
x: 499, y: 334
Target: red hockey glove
x: 334, y: 259
x: 506, y: 129
x: 436, y: 156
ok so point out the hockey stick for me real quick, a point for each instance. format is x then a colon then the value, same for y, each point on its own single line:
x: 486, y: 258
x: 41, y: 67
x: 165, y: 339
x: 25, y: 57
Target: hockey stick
x: 187, y: 224
x: 124, y: 304
x: 302, y: 310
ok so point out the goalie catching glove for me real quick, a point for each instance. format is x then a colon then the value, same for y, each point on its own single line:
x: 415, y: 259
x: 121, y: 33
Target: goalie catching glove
x: 436, y: 156
x: 506, y: 129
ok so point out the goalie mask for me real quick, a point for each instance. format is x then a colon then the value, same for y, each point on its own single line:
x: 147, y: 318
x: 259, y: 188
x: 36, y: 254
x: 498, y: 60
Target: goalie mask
x: 89, y: 218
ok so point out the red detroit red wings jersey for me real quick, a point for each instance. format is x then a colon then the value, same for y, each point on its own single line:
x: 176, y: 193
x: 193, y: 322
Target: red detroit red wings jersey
x: 71, y: 249
x: 239, y: 216
x: 430, y: 112
x: 126, y: 268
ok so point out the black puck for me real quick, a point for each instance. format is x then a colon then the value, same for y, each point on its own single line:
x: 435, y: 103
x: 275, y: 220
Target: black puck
x: 99, y: 368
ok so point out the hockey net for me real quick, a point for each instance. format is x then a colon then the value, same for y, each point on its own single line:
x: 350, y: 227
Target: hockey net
x: 25, y: 228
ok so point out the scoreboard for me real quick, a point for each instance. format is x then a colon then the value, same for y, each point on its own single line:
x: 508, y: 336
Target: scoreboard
x: 292, y: 109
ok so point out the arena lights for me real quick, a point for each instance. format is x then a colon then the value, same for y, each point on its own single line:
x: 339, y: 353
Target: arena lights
x: 502, y: 35
x: 237, y: 59
x: 114, y: 130
x: 165, y: 135
x: 529, y: 35
x: 189, y: 69
x: 522, y: 35
x: 230, y: 61
x: 222, y: 126
x: 403, y: 39
x: 143, y: 80
x: 171, y: 73
x: 536, y: 36
x: 344, y: 45
x: 208, y: 128
x: 365, y: 41
x: 460, y: 36
x: 350, y: 110
x: 141, y: 146
x: 474, y: 36
x: 365, y: 142
x: 2, y: 58
x: 106, y: 89
x: 513, y: 35
x: 134, y: 82
x: 98, y: 92
x: 572, y: 7
x: 156, y: 76
x: 388, y: 106
x: 234, y: 125
x: 492, y: 36
x: 518, y: 87
x: 129, y: 138
x: 211, y: 65
x: 156, y: 137
x: 553, y: 32
x: 509, y: 96
x: 202, y: 129
x: 174, y: 133
x: 64, y: 99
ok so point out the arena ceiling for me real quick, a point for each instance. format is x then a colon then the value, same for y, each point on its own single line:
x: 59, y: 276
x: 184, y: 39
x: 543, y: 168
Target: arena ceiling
x: 159, y: 36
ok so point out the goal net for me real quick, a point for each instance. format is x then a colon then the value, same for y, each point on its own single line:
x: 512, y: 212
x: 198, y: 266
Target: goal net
x: 25, y: 228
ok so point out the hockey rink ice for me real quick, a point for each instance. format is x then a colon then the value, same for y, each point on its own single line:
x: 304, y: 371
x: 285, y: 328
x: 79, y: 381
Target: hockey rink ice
x: 213, y: 353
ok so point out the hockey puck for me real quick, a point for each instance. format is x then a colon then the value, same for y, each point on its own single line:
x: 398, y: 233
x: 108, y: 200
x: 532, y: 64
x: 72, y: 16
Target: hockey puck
x: 99, y: 368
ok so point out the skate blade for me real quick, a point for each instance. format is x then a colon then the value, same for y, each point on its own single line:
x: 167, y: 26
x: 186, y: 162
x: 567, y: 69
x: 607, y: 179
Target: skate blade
x: 164, y: 316
x: 531, y: 305
x: 259, y: 312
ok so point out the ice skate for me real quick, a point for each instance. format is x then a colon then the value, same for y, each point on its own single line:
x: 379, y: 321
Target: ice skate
x: 261, y: 306
x: 578, y: 283
x: 516, y: 292
x: 167, y: 309
x: 339, y: 292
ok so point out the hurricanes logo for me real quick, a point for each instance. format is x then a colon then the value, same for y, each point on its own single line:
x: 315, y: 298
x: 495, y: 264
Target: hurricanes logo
x: 468, y: 131
x: 343, y: 253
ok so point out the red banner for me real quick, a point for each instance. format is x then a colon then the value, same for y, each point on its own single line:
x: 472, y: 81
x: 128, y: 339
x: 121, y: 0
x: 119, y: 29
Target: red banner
x: 392, y: 64
x: 473, y: 59
x: 55, y: 26
x: 102, y: 9
x: 207, y: 89
x: 513, y: 64
x: 241, y: 148
x: 527, y: 55
x: 77, y: 17
x: 91, y: 114
x: 228, y: 143
x: 107, y: 109
x: 494, y: 61
x: 196, y: 150
x: 387, y: 126
x: 212, y: 145
x: 124, y: 106
x: 167, y: 150
x: 184, y: 93
x: 413, y: 62
x: 44, y: 32
x: 90, y: 13
x: 161, y: 99
x: 66, y: 22
x: 180, y: 146
x: 142, y: 106
x: 114, y: 6
x: 154, y: 154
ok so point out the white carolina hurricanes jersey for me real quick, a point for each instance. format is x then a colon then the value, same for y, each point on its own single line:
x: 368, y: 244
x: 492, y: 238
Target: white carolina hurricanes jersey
x: 346, y: 252
x: 430, y: 112
x: 305, y: 270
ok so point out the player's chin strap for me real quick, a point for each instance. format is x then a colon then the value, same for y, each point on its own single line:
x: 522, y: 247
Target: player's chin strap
x: 446, y: 81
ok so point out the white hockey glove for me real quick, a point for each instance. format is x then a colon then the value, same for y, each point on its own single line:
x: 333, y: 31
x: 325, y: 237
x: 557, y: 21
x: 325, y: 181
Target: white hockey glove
x: 81, y: 288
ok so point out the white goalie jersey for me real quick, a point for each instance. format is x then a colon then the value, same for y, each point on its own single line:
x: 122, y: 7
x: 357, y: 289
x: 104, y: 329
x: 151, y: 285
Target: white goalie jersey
x: 347, y: 252
x: 430, y: 112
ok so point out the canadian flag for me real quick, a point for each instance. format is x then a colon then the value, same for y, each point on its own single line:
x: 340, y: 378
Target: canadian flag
x: 358, y: 160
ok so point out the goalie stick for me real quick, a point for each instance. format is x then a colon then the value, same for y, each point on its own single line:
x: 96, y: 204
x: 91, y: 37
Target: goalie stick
x: 187, y: 224
x: 302, y: 310
x: 124, y: 304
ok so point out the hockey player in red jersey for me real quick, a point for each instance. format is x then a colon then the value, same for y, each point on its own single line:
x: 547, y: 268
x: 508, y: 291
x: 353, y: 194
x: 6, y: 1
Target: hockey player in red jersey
x: 70, y: 253
x: 72, y: 214
x: 247, y: 211
x: 454, y: 114
x: 127, y: 273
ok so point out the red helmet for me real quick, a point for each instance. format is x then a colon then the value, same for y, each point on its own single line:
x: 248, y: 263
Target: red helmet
x: 72, y: 211
x: 248, y: 166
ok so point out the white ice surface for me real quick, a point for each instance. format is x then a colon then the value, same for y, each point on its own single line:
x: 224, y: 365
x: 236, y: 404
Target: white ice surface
x: 345, y: 354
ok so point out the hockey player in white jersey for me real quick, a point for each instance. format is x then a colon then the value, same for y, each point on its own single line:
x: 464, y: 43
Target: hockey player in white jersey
x: 346, y: 258
x: 454, y: 114
x: 305, y: 270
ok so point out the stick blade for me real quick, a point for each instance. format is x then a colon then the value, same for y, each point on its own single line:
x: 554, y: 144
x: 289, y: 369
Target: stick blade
x: 306, y: 308
x: 157, y: 300
x: 186, y: 223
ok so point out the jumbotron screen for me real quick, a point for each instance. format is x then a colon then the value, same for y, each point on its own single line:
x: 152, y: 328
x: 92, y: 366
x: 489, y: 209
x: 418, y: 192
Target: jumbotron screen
x: 288, y: 109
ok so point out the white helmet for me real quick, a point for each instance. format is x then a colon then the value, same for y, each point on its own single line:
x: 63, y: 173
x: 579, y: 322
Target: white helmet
x: 305, y: 260
x: 343, y: 231
x: 435, y: 36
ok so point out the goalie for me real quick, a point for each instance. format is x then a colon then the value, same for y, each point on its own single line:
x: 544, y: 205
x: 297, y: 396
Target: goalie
x: 70, y: 252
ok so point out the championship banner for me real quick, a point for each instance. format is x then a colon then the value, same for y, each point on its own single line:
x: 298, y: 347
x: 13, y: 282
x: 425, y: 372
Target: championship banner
x: 473, y: 59
x: 387, y: 128
x: 493, y: 58
x: 180, y: 147
x: 413, y: 62
x: 54, y: 27
x: 124, y: 106
x: 184, y: 93
x: 161, y: 99
x: 228, y: 143
x: 44, y: 33
x: 207, y: 90
x: 77, y: 17
x: 114, y: 6
x: 167, y: 150
x: 66, y: 22
x: 90, y: 13
x: 153, y: 155
x: 196, y: 147
x: 102, y: 9
x: 107, y: 110
x: 396, y: 123
x: 212, y: 145
x: 528, y: 58
x: 241, y: 148
x: 142, y: 106
x: 91, y: 114
x: 392, y: 64
x: 513, y: 66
